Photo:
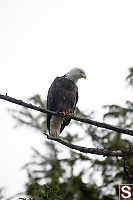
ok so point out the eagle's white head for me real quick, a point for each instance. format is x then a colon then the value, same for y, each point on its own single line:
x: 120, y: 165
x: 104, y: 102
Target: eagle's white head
x: 75, y: 74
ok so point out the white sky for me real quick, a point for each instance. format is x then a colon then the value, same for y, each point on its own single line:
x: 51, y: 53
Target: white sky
x: 42, y: 39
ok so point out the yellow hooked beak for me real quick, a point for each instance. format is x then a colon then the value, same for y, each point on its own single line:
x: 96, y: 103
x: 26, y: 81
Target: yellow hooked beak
x: 83, y: 75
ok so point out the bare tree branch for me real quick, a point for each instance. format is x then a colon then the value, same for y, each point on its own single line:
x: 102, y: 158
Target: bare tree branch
x: 97, y: 151
x: 84, y: 120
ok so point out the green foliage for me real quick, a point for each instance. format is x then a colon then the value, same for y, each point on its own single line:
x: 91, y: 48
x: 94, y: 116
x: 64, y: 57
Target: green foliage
x: 59, y: 173
x: 48, y: 191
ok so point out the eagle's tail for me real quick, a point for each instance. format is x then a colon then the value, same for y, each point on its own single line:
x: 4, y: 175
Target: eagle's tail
x: 55, y: 126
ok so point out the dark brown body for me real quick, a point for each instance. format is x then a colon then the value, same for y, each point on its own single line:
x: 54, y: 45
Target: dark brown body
x: 62, y: 97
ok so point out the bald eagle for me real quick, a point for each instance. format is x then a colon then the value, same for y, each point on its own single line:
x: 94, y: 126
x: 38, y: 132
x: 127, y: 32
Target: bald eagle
x: 62, y: 97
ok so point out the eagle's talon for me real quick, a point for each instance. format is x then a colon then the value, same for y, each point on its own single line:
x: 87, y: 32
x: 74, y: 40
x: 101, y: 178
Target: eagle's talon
x: 67, y: 113
x: 63, y: 113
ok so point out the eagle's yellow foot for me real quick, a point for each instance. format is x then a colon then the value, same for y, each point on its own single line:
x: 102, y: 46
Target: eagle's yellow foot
x: 67, y: 113
x: 70, y: 113
x: 63, y: 113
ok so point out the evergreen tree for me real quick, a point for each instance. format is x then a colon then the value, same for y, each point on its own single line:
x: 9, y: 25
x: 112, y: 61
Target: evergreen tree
x: 53, y: 176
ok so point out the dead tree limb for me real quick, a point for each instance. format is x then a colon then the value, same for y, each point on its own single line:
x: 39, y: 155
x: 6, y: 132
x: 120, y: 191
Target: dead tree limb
x: 84, y: 120
x: 96, y: 151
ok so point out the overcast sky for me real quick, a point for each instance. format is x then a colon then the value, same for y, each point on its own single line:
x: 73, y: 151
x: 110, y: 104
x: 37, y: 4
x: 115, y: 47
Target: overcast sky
x: 42, y: 39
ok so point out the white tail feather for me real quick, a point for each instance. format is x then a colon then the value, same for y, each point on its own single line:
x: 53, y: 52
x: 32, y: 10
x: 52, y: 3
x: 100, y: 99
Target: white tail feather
x: 55, y: 125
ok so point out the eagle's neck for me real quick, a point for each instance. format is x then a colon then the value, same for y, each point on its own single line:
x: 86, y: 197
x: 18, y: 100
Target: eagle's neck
x: 70, y: 77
